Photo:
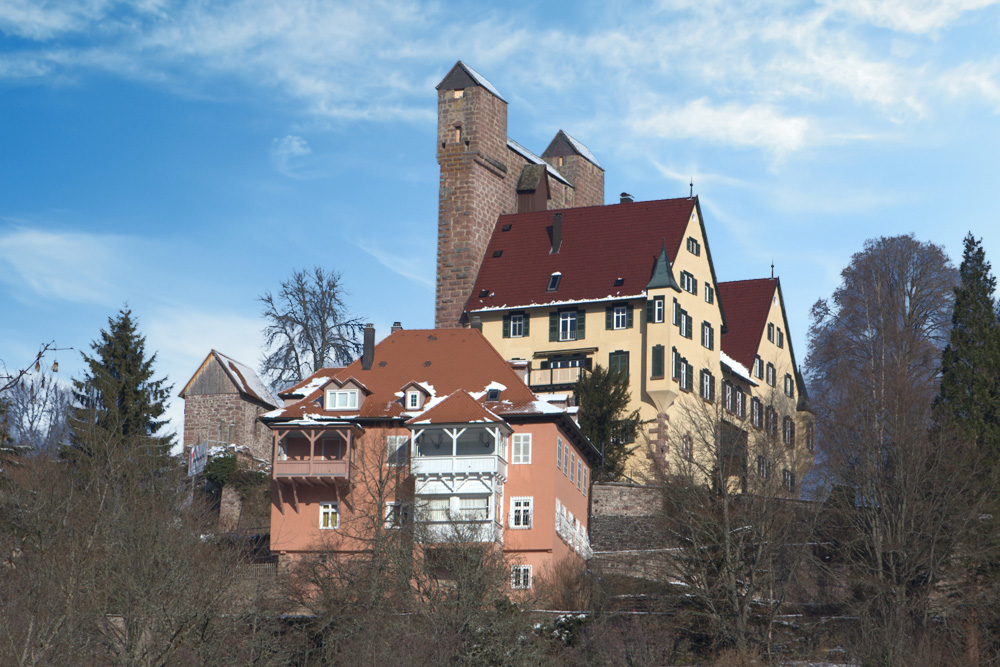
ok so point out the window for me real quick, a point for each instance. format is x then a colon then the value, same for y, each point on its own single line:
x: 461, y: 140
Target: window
x: 554, y: 282
x: 572, y: 468
x: 788, y: 479
x: 756, y: 412
x: 709, y: 293
x: 770, y: 332
x: 770, y: 373
x: 687, y: 376
x: 688, y: 283
x: 579, y: 474
x: 656, y: 363
x: 520, y: 512
x: 686, y: 324
x: 586, y: 474
x: 520, y: 576
x: 397, y: 514
x: 677, y: 313
x: 789, y: 386
x: 436, y: 509
x: 567, y: 325
x: 655, y: 310
x: 741, y: 403
x: 727, y: 395
x: 810, y: 437
x: 763, y: 467
x: 559, y: 453
x: 788, y: 432
x: 474, y: 508
x: 687, y: 447
x: 771, y: 421
x: 707, y: 385
x: 521, y: 448
x: 515, y: 325
x: 707, y: 335
x: 329, y: 517
x: 344, y: 399
x: 618, y: 362
x: 781, y: 338
x: 397, y: 449
x: 492, y: 394
x: 693, y: 246
x: 618, y: 317
x: 412, y: 400
x: 758, y: 367
x: 567, y: 461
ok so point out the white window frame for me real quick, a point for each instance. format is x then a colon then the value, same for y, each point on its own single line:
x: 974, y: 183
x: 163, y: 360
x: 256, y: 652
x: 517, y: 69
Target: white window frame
x: 327, y: 509
x: 520, y: 577
x: 781, y: 338
x: 763, y: 467
x: 559, y: 453
x: 709, y: 293
x: 687, y: 372
x: 706, y: 335
x: 687, y: 282
x: 521, y: 512
x: 685, y: 325
x: 572, y: 467
x: 789, y: 386
x: 693, y: 246
x: 770, y: 332
x: 758, y: 367
x: 567, y: 325
x: 517, y: 325
x: 520, y: 449
x: 788, y: 431
x: 788, y: 480
x: 394, y: 444
x: 579, y: 475
x: 756, y: 412
x: 412, y: 400
x: 706, y: 385
x: 586, y: 480
x: 393, y: 515
x: 727, y: 396
x: 770, y: 374
x: 333, y: 397
x: 687, y: 447
x: 659, y: 309
x: 620, y: 317
x: 464, y: 510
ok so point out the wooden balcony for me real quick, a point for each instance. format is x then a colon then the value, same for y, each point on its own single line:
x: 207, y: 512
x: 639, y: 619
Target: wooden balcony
x: 553, y: 377
x: 318, y: 468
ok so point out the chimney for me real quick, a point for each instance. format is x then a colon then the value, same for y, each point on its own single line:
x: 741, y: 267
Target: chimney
x: 368, y: 352
x: 396, y: 326
x: 626, y: 198
x: 477, y: 323
x: 556, y: 233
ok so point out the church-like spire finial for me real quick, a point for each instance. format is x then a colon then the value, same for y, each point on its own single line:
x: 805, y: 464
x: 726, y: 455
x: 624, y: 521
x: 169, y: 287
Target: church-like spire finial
x: 772, y: 268
x: 691, y: 194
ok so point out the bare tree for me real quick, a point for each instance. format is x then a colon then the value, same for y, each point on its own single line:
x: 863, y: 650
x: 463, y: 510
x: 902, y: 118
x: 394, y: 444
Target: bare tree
x: 38, y: 407
x: 308, y: 327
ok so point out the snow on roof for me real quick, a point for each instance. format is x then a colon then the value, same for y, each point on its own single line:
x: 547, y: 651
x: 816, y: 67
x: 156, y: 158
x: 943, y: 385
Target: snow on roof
x: 246, y: 379
x: 567, y: 302
x: 582, y: 150
x: 531, y: 157
x: 736, y: 367
x: 481, y: 80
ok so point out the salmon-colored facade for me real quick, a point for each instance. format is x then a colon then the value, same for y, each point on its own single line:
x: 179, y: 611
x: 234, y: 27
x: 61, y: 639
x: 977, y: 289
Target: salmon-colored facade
x: 430, y: 428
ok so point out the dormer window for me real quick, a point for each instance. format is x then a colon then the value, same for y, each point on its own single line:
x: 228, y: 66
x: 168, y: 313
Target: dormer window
x: 619, y: 282
x: 554, y: 282
x: 413, y: 400
x: 492, y: 394
x: 342, y: 399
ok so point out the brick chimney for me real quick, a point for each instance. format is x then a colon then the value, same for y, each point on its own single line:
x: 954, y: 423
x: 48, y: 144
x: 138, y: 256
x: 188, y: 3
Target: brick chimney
x: 368, y: 351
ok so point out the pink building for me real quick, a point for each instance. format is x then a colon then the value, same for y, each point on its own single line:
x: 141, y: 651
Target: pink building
x: 433, y: 427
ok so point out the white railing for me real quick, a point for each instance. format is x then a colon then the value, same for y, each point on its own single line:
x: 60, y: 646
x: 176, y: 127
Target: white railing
x: 548, y: 376
x: 458, y: 465
x: 465, y: 531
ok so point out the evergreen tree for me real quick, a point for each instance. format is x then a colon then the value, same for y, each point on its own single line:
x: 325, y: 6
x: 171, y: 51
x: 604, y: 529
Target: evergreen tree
x: 604, y: 396
x: 970, y: 365
x: 117, y: 400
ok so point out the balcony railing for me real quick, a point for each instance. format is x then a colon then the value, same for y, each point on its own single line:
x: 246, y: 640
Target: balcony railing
x: 461, y: 531
x: 458, y: 465
x: 311, y: 468
x: 547, y: 377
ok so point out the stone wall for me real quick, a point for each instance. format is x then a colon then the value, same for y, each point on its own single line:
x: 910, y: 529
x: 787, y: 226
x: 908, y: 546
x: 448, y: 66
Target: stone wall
x: 226, y: 418
x: 626, y: 533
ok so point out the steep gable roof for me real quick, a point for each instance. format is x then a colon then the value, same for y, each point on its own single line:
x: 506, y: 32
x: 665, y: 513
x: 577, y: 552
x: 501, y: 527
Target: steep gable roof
x: 462, y: 76
x: 599, y: 245
x: 563, y: 144
x: 246, y: 381
x: 457, y: 408
x: 442, y: 360
x: 747, y: 304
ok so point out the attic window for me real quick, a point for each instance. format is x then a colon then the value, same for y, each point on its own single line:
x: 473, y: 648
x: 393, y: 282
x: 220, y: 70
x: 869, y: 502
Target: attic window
x: 554, y: 282
x: 619, y: 282
x: 457, y: 94
x: 497, y: 253
x: 493, y: 395
x: 506, y: 228
x: 483, y: 293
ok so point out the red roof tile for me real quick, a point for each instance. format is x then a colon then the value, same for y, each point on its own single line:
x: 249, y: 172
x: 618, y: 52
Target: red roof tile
x: 599, y: 245
x: 446, y: 360
x: 457, y: 408
x: 747, y: 303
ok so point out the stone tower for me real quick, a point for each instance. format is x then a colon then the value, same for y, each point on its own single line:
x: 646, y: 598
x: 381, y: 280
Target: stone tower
x: 472, y: 153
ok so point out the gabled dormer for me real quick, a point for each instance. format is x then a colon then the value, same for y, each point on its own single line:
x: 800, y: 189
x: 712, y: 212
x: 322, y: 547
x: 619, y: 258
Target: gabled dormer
x: 344, y: 396
x: 415, y: 395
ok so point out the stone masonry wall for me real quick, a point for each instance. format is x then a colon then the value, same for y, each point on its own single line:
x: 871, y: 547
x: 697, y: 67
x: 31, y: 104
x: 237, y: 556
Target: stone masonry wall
x: 625, y: 532
x: 226, y: 417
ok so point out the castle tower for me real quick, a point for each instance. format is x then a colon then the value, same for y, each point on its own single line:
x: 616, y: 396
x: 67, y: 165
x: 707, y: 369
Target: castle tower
x: 476, y: 185
x: 579, y: 166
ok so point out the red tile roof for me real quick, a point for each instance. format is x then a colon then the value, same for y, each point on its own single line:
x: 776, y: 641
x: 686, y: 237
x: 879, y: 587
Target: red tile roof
x: 446, y: 360
x: 599, y: 245
x: 458, y: 408
x: 747, y: 303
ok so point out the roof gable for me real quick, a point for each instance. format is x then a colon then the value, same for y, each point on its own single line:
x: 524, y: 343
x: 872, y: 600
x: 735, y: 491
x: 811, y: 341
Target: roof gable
x: 599, y: 245
x: 747, y: 304
x: 563, y: 145
x: 462, y: 76
x: 242, y: 377
x: 457, y: 408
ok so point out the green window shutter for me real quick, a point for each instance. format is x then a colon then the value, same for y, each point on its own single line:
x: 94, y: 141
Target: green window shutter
x: 650, y: 310
x: 677, y: 313
x: 677, y: 365
x: 711, y: 338
x: 609, y: 317
x: 628, y: 316
x: 711, y: 390
x: 657, y: 361
x: 506, y: 326
x: 526, y: 325
x: 581, y: 321
x: 554, y: 326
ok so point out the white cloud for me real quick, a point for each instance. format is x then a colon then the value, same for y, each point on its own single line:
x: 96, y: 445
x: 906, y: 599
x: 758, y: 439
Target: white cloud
x: 754, y: 126
x: 285, y: 151
x: 913, y: 16
x: 407, y: 264
x: 70, y: 266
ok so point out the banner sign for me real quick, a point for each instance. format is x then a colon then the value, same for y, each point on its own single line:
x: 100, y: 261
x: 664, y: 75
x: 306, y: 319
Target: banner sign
x: 198, y: 456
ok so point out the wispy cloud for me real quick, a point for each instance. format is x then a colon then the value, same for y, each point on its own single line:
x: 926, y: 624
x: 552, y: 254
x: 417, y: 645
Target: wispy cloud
x: 285, y: 151
x: 69, y: 266
x: 407, y: 264
x: 913, y: 16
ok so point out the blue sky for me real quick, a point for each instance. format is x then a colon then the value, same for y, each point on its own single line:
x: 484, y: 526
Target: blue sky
x: 185, y: 157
